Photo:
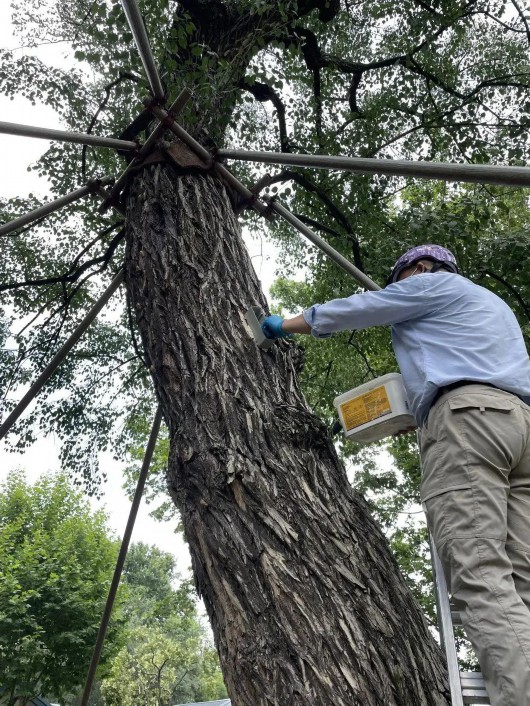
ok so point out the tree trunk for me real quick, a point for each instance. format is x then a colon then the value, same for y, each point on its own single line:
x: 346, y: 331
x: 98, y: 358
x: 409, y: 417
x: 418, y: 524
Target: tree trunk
x: 306, y: 602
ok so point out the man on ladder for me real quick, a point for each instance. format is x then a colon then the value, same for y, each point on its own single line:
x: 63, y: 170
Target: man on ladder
x: 467, y: 376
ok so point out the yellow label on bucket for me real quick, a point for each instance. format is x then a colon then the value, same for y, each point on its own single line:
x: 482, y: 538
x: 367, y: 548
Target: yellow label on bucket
x: 365, y: 408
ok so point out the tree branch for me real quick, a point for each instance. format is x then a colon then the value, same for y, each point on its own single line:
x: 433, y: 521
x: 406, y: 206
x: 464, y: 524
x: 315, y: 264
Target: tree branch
x: 318, y: 226
x: 94, y: 384
x: 63, y: 306
x: 315, y: 59
x: 215, y: 19
x: 428, y: 7
x: 132, y: 330
x: 98, y: 237
x: 351, y: 342
x: 33, y: 224
x: 335, y: 212
x: 123, y: 75
x: 510, y: 287
x: 72, y: 274
x: 317, y: 86
x: 503, y: 24
x: 523, y: 18
x: 262, y: 92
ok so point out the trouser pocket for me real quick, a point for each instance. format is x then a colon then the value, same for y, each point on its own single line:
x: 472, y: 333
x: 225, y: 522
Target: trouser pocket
x: 474, y: 441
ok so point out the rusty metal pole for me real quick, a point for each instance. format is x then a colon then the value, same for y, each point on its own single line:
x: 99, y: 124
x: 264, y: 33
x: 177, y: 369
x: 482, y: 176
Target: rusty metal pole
x: 272, y: 206
x: 61, y: 355
x: 203, y: 153
x: 175, y: 108
x: 121, y: 558
x: 136, y: 23
x: 64, y: 136
x: 48, y: 208
x: 333, y: 254
x: 473, y: 173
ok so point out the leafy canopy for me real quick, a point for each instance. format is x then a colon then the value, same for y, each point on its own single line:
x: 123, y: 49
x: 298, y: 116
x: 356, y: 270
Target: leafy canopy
x: 56, y: 562
x: 168, y: 657
x: 441, y: 81
x: 447, y: 80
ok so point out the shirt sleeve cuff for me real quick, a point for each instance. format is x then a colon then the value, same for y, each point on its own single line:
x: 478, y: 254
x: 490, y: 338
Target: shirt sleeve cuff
x: 309, y: 318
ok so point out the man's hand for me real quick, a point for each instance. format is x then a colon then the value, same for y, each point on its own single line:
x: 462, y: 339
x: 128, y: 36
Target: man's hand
x: 272, y: 327
x: 276, y: 327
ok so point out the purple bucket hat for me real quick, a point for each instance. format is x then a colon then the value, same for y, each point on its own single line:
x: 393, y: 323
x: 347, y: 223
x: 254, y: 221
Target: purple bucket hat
x: 421, y: 252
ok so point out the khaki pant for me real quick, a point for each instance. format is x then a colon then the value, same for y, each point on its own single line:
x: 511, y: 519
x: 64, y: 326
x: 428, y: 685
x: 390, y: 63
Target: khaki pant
x: 475, y: 451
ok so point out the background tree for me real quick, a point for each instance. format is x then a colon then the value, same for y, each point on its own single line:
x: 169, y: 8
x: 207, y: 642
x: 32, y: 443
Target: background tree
x: 167, y: 657
x: 304, y: 598
x: 56, y: 562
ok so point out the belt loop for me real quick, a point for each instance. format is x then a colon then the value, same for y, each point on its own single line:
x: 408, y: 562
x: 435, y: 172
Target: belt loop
x: 453, y: 386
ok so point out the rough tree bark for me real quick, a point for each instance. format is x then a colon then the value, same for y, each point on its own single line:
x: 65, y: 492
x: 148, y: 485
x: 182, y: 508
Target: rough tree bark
x: 305, y: 599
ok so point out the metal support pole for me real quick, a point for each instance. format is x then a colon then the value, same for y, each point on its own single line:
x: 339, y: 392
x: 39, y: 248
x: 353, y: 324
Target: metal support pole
x: 138, y: 30
x: 61, y: 354
x: 63, y: 136
x: 121, y: 558
x: 333, y: 254
x: 481, y: 173
x: 174, y: 109
x: 262, y: 208
x: 48, y: 208
x: 203, y: 153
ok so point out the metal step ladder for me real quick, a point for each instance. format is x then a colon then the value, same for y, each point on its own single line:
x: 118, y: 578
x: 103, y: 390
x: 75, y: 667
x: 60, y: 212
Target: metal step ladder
x: 465, y: 687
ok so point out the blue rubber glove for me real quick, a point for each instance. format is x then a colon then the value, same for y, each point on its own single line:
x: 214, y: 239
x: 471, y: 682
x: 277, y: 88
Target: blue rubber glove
x: 272, y: 327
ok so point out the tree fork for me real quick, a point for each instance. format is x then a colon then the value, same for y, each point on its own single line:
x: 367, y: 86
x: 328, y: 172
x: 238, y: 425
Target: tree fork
x: 306, y: 601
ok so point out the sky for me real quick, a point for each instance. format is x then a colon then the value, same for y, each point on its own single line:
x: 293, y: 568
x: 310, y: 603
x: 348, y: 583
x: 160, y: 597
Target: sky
x: 17, y: 153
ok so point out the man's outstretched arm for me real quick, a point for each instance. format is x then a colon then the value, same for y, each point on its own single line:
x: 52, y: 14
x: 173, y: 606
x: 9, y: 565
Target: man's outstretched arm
x: 296, y: 325
x: 276, y: 327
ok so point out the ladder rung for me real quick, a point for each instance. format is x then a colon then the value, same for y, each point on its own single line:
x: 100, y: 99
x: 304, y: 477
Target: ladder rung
x: 475, y: 697
x: 455, y: 617
x: 471, y: 677
x: 473, y: 689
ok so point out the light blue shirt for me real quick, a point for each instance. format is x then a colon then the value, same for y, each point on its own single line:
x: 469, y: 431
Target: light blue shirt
x: 444, y: 329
